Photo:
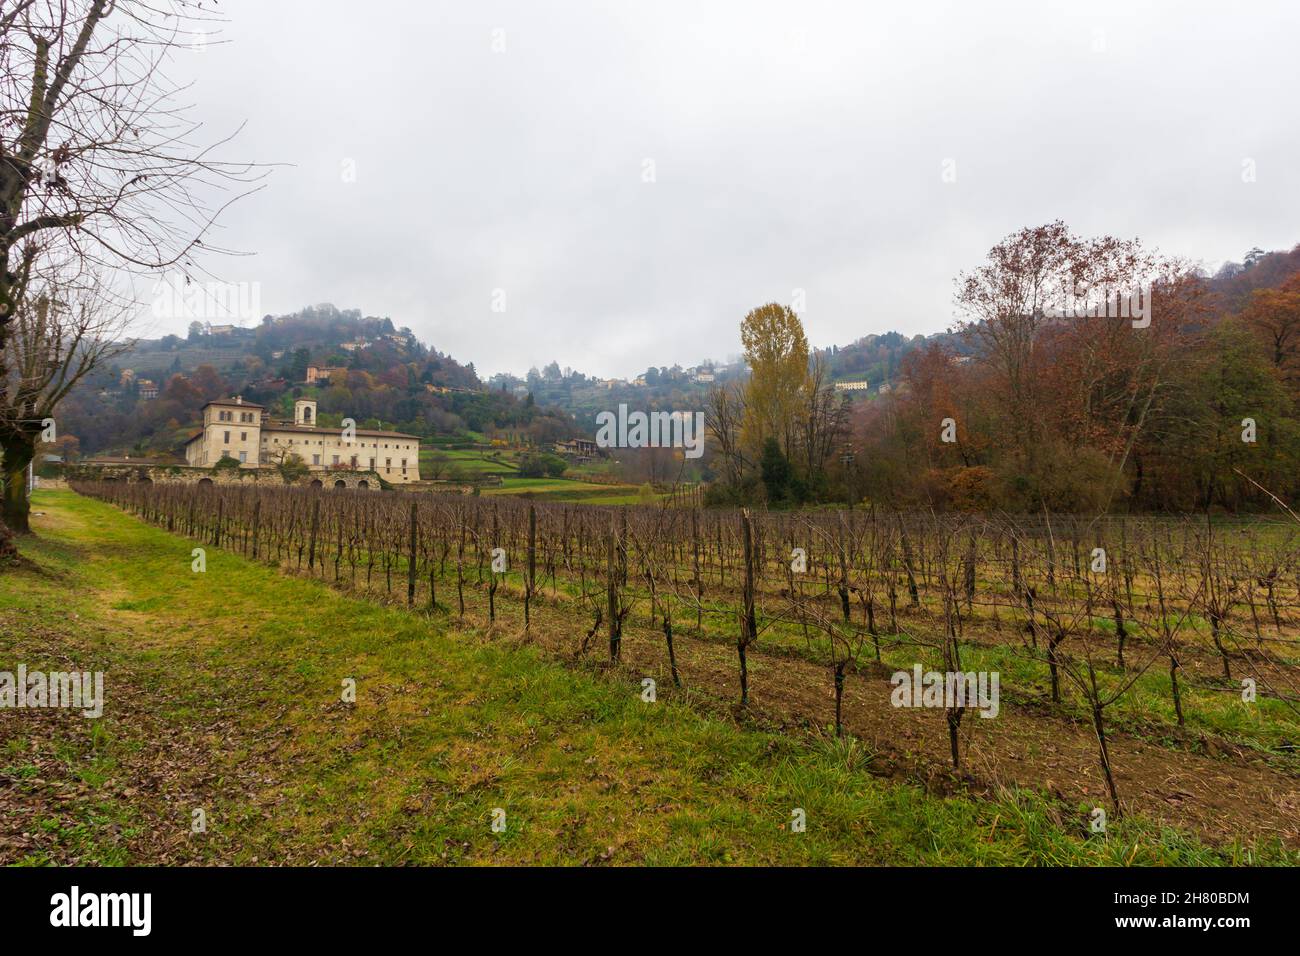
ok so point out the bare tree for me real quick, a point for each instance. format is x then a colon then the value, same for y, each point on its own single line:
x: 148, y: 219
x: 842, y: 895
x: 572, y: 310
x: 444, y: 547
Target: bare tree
x: 725, y: 418
x: 61, y: 331
x: 98, y: 163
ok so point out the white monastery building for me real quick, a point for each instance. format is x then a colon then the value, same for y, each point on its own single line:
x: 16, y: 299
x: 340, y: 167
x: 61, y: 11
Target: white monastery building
x: 243, y: 431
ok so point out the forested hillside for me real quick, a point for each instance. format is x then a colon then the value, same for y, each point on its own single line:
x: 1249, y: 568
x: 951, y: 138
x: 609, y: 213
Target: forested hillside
x: 365, y: 369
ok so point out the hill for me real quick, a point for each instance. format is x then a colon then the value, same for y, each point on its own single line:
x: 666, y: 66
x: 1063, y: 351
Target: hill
x: 150, y: 398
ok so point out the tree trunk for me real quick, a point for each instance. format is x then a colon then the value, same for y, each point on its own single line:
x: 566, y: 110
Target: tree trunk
x: 839, y: 697
x: 18, y: 454
x: 8, y: 551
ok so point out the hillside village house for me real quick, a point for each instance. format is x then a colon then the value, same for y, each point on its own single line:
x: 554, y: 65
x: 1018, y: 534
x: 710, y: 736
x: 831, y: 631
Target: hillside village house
x: 584, y: 449
x: 322, y: 373
x: 246, y: 433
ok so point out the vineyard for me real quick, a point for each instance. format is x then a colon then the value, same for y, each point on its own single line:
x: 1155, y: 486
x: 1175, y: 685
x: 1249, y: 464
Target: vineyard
x: 1141, y: 663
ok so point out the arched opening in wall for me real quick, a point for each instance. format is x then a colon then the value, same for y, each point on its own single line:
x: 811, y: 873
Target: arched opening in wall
x: 306, y: 415
x: 340, y: 483
x: 315, y: 483
x: 363, y: 484
x: 205, y: 482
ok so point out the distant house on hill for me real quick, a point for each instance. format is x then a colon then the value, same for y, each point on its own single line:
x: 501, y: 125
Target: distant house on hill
x: 582, y: 449
x: 852, y: 386
x: 318, y: 373
x: 221, y: 329
x: 147, y: 389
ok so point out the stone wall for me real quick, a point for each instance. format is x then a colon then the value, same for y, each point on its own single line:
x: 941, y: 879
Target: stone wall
x: 354, y: 480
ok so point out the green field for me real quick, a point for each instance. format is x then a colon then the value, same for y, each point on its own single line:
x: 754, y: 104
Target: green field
x: 223, y: 694
x: 476, y: 463
x: 471, y: 462
x: 570, y: 491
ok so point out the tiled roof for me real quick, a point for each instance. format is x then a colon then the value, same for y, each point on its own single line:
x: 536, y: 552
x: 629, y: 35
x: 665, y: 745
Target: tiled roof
x: 142, y: 462
x: 308, y: 430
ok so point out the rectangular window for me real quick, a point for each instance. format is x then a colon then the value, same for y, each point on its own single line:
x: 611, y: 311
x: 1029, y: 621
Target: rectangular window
x: 336, y: 459
x: 315, y: 459
x: 388, y: 464
x: 372, y: 464
x: 403, y: 464
x: 243, y: 436
x: 243, y: 456
x: 354, y: 461
x: 227, y: 438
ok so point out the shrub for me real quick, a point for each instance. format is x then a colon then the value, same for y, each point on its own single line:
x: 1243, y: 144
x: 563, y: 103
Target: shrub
x: 541, y: 466
x: 292, y: 468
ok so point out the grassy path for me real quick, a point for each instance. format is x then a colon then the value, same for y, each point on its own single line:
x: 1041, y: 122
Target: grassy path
x: 223, y: 693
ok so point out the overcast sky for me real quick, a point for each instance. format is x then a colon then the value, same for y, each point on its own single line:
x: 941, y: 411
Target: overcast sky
x: 795, y: 146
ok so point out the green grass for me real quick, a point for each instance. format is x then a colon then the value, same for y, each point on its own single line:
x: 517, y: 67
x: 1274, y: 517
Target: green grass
x: 570, y: 491
x: 223, y: 692
x: 471, y: 463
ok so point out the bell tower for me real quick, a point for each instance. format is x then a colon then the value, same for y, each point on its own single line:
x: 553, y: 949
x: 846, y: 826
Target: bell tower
x: 304, y: 412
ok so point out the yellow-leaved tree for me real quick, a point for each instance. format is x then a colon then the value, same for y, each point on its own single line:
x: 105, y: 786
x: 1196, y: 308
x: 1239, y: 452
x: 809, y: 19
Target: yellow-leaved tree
x: 776, y: 398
